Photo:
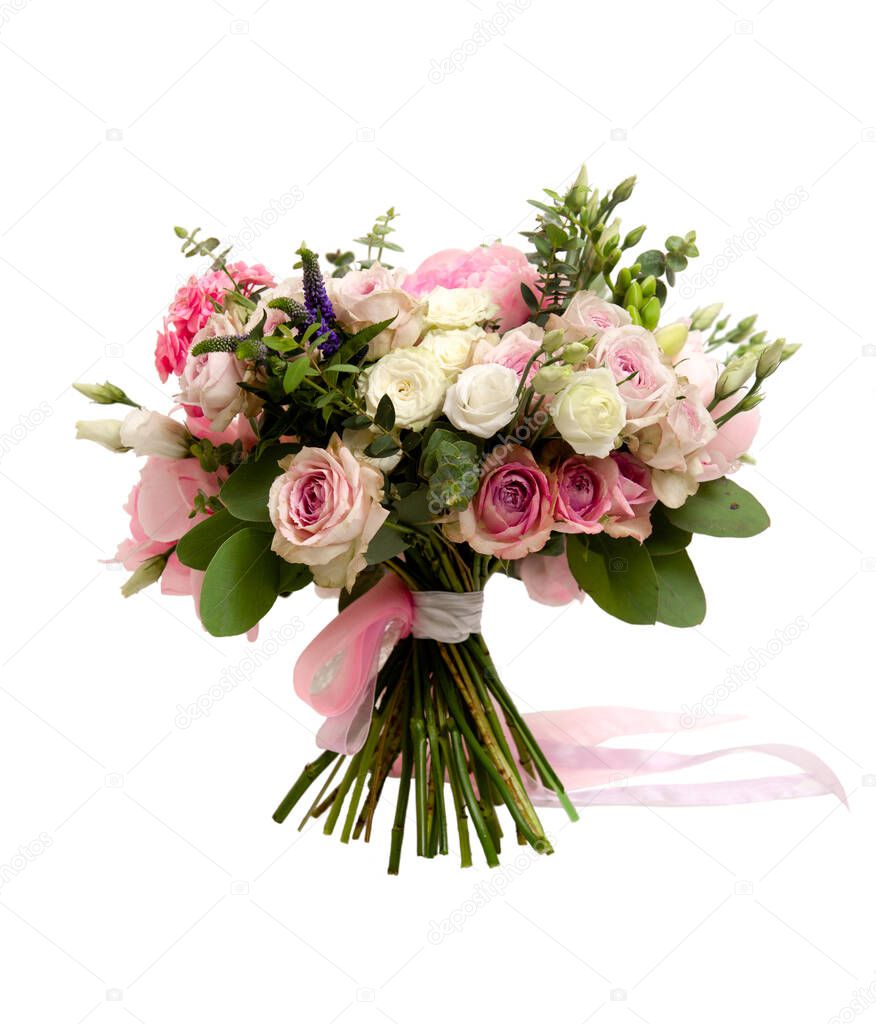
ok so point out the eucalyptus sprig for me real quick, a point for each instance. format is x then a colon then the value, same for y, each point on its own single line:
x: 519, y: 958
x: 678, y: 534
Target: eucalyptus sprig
x: 376, y: 239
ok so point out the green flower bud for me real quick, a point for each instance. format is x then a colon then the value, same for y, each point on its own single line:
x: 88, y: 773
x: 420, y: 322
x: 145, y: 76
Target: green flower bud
x: 702, y: 319
x: 552, y: 341
x: 551, y: 379
x: 105, y: 394
x: 770, y: 358
x: 624, y: 190
x: 634, y: 237
x: 144, y: 575
x: 633, y: 295
x: 671, y: 338
x: 107, y: 433
x: 649, y: 286
x: 651, y: 313
x: 576, y: 352
x: 735, y: 374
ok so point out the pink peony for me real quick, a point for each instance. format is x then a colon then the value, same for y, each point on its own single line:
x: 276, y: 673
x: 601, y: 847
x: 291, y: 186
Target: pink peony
x: 510, y: 515
x: 548, y: 580
x: 500, y: 269
x: 325, y: 509
x: 192, y: 306
x: 584, y: 489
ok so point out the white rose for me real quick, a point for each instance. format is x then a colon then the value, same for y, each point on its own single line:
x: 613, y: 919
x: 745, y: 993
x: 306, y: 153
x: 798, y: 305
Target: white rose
x: 358, y: 440
x: 151, y: 433
x: 483, y: 399
x: 459, y: 307
x: 589, y: 412
x: 453, y: 348
x: 413, y: 379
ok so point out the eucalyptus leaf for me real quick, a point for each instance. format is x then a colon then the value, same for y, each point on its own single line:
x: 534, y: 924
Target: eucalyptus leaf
x: 721, y: 508
x: 197, y: 547
x: 680, y: 598
x: 617, y: 574
x: 245, y: 492
x: 240, y: 584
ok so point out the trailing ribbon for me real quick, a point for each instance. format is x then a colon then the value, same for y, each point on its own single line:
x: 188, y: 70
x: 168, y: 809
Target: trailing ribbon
x: 337, y: 675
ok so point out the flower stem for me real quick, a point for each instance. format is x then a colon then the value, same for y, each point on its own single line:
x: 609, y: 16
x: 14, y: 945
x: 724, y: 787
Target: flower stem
x: 304, y: 781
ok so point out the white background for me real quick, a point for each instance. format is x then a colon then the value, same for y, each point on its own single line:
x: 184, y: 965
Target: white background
x: 164, y: 893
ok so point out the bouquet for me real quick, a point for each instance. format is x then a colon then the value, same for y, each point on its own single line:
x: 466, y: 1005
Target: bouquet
x: 398, y: 439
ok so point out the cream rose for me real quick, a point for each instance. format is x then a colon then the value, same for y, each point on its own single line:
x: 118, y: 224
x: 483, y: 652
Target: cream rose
x: 483, y: 399
x: 589, y: 412
x: 326, y: 508
x: 454, y: 349
x: 413, y: 379
x: 459, y: 307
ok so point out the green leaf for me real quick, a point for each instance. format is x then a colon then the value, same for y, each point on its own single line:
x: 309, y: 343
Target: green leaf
x: 385, y: 544
x: 343, y: 368
x: 295, y: 373
x: 245, y: 492
x: 382, y: 447
x: 680, y: 598
x: 197, y: 547
x: 617, y: 574
x: 665, y: 539
x: 414, y: 507
x: 240, y: 584
x: 292, y: 577
x: 356, y: 342
x: 384, y: 415
x: 721, y: 508
x: 281, y: 344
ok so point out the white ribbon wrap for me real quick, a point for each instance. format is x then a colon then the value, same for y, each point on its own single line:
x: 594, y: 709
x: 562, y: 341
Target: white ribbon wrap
x: 447, y: 617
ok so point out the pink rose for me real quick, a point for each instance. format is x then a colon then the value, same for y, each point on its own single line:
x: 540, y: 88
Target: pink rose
x: 548, y: 580
x: 192, y: 307
x: 510, y: 515
x: 687, y: 427
x: 645, y: 381
x: 159, y: 507
x: 584, y: 489
x: 238, y: 429
x: 632, y: 499
x: 209, y: 382
x: 588, y: 316
x: 515, y: 350
x: 500, y: 269
x: 325, y: 509
x: 365, y: 297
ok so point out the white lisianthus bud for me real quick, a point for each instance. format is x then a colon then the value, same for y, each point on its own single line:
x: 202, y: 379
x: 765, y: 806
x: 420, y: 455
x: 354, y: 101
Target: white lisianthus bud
x: 151, y: 433
x: 144, y: 575
x: 459, y: 307
x: 102, y: 432
x: 414, y: 381
x: 589, y: 412
x: 553, y: 340
x: 104, y: 394
x: 483, y: 399
x: 770, y: 358
x: 551, y: 379
x: 734, y: 375
x: 671, y: 338
x: 703, y: 318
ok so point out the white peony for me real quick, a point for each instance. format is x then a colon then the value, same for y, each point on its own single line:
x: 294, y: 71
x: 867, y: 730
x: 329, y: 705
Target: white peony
x: 414, y: 381
x: 151, y: 433
x: 589, y: 412
x: 483, y: 399
x: 453, y: 349
x: 459, y: 307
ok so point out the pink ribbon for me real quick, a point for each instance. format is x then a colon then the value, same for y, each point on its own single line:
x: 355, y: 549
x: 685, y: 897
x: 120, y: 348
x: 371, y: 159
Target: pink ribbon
x: 337, y: 674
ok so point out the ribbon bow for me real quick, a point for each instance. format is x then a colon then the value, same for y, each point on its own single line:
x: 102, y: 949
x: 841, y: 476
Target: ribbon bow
x: 337, y: 674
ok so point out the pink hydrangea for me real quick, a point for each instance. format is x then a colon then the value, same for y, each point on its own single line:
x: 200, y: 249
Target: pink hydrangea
x: 191, y: 308
x: 500, y: 269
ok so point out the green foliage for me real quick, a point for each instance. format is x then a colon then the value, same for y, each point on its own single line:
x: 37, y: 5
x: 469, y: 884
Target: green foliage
x: 721, y: 508
x: 680, y: 598
x: 241, y: 583
x: 193, y: 246
x: 377, y: 238
x: 388, y: 542
x: 450, y: 465
x: 245, y: 492
x: 617, y: 574
x: 197, y: 547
